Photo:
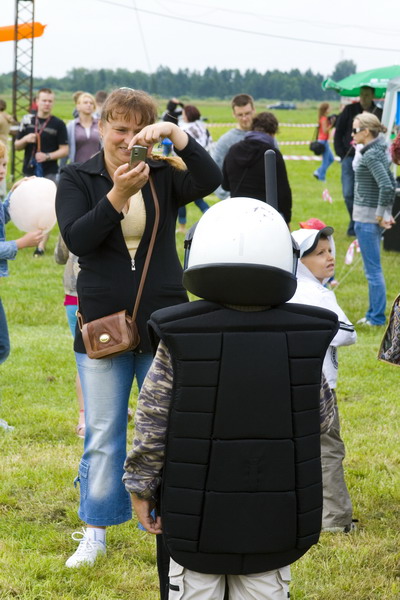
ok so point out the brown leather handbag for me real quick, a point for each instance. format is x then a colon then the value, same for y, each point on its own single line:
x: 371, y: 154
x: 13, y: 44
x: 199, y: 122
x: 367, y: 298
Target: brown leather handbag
x: 118, y: 333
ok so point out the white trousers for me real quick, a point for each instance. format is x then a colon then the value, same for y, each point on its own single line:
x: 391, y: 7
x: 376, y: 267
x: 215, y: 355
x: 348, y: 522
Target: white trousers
x: 191, y: 585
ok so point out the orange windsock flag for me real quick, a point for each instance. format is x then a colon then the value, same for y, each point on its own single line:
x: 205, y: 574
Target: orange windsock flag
x: 25, y: 30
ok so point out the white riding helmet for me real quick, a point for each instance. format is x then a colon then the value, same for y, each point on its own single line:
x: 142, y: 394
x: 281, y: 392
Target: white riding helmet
x: 241, y: 252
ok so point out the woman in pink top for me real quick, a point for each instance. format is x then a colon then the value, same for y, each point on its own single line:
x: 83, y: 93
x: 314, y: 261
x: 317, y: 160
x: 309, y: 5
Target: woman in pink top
x: 324, y: 126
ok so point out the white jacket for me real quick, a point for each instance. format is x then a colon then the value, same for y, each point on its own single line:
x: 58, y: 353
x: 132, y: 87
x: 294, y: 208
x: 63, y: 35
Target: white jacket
x: 311, y: 291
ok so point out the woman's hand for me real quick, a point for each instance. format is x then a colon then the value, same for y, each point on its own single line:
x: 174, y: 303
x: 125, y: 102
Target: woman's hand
x: 127, y: 182
x: 153, y: 134
x: 385, y: 224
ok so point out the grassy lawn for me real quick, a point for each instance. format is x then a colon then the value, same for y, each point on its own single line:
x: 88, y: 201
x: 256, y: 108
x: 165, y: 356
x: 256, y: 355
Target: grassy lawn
x: 38, y: 501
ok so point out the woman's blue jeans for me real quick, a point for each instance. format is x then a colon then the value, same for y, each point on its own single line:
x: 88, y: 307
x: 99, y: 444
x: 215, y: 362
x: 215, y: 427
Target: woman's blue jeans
x: 348, y: 189
x: 4, y: 337
x: 327, y: 160
x: 369, y: 237
x: 106, y: 385
x: 200, y: 203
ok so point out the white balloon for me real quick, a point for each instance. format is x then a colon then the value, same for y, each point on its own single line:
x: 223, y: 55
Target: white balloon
x: 32, y: 205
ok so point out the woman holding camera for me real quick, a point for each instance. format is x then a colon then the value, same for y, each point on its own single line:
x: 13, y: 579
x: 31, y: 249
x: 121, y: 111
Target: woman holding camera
x: 325, y: 124
x: 106, y: 213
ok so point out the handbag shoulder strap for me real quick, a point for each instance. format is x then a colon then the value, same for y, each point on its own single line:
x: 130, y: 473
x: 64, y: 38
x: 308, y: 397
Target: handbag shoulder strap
x: 148, y: 257
x: 150, y: 248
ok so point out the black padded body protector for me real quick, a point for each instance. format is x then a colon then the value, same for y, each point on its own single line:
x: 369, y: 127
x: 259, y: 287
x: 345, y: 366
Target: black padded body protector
x: 242, y: 489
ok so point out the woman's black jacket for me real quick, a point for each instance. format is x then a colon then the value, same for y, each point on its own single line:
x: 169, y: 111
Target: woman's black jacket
x: 90, y: 226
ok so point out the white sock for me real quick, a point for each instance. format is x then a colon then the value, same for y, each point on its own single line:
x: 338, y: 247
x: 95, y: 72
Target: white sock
x: 96, y: 534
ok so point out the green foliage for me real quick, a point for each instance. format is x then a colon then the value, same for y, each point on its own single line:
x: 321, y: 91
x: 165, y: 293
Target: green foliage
x: 343, y: 69
x: 38, y: 501
x: 211, y: 83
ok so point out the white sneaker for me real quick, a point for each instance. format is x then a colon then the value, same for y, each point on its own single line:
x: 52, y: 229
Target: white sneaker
x: 363, y: 321
x: 341, y: 529
x: 87, y: 551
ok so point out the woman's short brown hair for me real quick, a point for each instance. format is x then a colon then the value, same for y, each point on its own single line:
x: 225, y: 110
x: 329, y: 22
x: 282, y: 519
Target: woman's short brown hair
x: 266, y: 122
x: 126, y: 102
x: 192, y: 113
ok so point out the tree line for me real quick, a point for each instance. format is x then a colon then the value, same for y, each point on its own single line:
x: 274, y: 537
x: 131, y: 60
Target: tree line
x: 211, y: 83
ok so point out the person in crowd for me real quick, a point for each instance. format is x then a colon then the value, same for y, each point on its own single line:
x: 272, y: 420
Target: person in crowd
x: 174, y: 111
x: 44, y: 139
x: 244, y: 112
x: 194, y: 126
x: 9, y: 250
x: 214, y: 463
x: 375, y: 189
x: 6, y: 121
x: 83, y: 132
x: 63, y: 256
x: 106, y: 213
x: 75, y: 97
x: 395, y: 149
x: 314, y: 269
x: 243, y: 168
x: 34, y: 106
x: 99, y: 98
x: 343, y: 144
x: 325, y: 124
x: 173, y: 114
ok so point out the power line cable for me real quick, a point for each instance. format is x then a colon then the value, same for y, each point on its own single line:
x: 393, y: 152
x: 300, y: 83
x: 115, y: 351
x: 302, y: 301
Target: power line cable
x: 259, y: 33
x: 142, y: 36
x: 285, y: 19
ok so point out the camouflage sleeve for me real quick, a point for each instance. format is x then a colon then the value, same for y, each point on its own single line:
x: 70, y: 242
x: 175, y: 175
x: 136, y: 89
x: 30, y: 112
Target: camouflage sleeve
x: 326, y: 405
x: 144, y: 462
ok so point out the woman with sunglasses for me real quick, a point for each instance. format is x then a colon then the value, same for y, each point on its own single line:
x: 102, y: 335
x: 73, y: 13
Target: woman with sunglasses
x: 372, y: 211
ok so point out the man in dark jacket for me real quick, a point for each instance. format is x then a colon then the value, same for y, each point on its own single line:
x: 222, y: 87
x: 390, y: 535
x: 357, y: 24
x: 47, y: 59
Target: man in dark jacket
x: 343, y: 147
x: 243, y: 168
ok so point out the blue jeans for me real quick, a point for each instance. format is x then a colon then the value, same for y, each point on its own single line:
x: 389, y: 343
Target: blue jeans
x: 71, y: 309
x: 327, y: 160
x: 348, y: 189
x: 201, y: 204
x: 369, y: 237
x: 106, y: 385
x: 4, y: 337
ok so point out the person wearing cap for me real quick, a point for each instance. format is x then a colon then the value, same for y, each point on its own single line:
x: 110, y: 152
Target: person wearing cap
x: 314, y: 269
x: 228, y: 418
x: 312, y: 223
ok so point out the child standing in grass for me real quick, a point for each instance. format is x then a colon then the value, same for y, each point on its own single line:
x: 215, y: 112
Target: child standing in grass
x: 8, y: 250
x: 315, y: 267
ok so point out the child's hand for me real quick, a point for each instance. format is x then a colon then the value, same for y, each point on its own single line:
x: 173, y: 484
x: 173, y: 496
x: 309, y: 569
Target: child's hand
x: 30, y: 239
x: 143, y: 510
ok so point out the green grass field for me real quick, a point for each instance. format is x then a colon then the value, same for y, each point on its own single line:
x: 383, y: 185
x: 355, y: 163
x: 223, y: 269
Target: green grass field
x: 38, y: 501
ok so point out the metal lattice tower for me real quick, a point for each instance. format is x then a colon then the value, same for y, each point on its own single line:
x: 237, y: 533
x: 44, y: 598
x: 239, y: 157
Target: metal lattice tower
x: 23, y: 71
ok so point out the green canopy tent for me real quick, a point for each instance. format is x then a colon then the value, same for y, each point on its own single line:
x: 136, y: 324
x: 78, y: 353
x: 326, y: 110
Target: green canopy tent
x: 376, y: 78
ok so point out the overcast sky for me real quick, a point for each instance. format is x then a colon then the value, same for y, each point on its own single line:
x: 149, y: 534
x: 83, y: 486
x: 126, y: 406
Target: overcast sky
x: 195, y: 34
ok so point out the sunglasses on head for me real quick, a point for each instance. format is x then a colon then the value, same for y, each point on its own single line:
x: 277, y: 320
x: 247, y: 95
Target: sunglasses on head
x: 357, y: 130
